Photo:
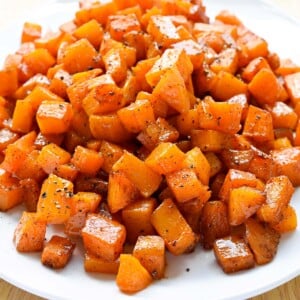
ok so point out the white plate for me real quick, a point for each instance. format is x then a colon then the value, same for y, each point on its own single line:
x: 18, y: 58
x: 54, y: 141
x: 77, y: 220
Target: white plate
x: 205, y: 280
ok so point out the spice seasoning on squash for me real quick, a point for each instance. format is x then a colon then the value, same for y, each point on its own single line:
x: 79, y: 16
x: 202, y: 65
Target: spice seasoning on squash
x: 142, y: 123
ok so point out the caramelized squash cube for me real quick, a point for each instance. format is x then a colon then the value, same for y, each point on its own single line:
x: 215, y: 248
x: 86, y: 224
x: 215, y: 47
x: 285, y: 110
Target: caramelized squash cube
x: 103, y: 237
x: 57, y: 252
x: 233, y: 254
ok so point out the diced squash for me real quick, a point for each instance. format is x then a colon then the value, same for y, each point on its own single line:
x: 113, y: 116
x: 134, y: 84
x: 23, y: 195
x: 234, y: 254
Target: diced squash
x: 87, y: 161
x: 196, y: 161
x: 171, y: 89
x: 262, y: 240
x: 221, y: 116
x: 121, y: 191
x: 30, y: 233
x: 57, y: 252
x: 171, y: 58
x: 54, y: 117
x: 165, y: 158
x: 288, y: 221
x: 30, y: 32
x: 150, y: 251
x: 233, y: 254
x: 279, y: 191
x: 264, y: 87
x: 258, y: 125
x: 96, y: 264
x: 286, y: 162
x: 83, y: 49
x: 109, y: 128
x: 143, y: 177
x: 137, y: 218
x: 103, y: 237
x: 172, y: 227
x: 214, y: 222
x: 132, y: 276
x: 110, y: 153
x: 136, y: 116
x: 243, y: 202
x: 92, y: 31
x: 185, y: 185
x: 51, y: 156
x: 53, y: 201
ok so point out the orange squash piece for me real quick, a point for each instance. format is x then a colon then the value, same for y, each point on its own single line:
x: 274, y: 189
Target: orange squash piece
x: 92, y: 31
x: 54, y: 117
x: 150, y: 251
x: 185, y: 185
x: 172, y: 227
x: 96, y: 264
x: 132, y: 277
x: 10, y: 191
x: 57, y: 252
x: 53, y: 204
x: 262, y: 240
x: 258, y: 125
x: 83, y: 49
x: 170, y: 59
x: 279, y: 191
x: 220, y: 116
x: 243, y: 202
x: 103, y: 237
x: 233, y: 254
x: 136, y: 116
x: 171, y: 89
x: 87, y: 161
x: 214, y: 222
x: 165, y: 158
x: 30, y: 32
x: 121, y: 191
x: 137, y: 218
x: 30, y: 233
x: 264, y: 87
x: 142, y: 176
x: 51, y: 156
x: 288, y: 222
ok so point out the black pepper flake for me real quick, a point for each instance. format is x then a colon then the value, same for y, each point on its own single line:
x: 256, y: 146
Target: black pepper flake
x: 44, y: 195
x: 187, y: 269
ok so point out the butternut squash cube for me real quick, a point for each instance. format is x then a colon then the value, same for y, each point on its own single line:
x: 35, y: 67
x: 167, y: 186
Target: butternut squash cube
x: 30, y: 233
x: 165, y: 158
x: 214, y: 222
x: 170, y: 59
x: 57, y: 252
x: 173, y: 228
x: 53, y: 204
x: 172, y: 90
x: 196, y: 161
x: 54, y: 117
x: 258, y: 125
x: 121, y: 191
x: 96, y: 264
x: 185, y: 185
x: 233, y: 254
x: 136, y: 116
x: 243, y: 202
x: 144, y: 178
x: 103, y: 237
x: 137, y: 218
x: 279, y: 191
x: 51, y: 156
x: 10, y: 191
x: 262, y: 239
x: 150, y: 251
x: 132, y: 277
